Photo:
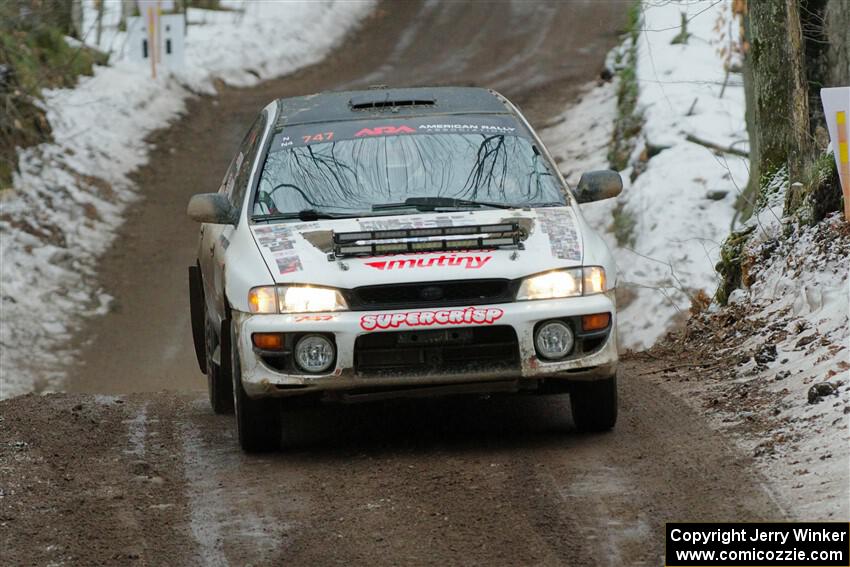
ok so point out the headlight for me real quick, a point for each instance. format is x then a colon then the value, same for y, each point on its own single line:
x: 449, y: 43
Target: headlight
x: 295, y: 299
x: 306, y: 299
x: 563, y: 283
x: 263, y: 299
x: 594, y: 280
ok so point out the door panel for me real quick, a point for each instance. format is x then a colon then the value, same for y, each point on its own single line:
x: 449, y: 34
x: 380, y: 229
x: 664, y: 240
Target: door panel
x: 216, y: 238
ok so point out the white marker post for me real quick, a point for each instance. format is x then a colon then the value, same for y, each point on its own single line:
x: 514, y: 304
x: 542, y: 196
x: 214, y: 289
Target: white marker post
x: 153, y: 23
x: 836, y: 109
x: 151, y: 10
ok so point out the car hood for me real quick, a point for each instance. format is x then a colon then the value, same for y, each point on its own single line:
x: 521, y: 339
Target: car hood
x: 299, y: 252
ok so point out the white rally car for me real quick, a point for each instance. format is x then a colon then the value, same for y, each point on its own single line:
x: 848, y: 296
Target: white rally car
x: 400, y: 242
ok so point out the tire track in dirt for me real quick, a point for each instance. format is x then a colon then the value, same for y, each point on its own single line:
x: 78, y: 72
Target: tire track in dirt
x: 477, y: 481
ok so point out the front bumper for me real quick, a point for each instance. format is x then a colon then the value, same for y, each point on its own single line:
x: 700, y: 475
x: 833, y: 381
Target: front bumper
x: 259, y: 379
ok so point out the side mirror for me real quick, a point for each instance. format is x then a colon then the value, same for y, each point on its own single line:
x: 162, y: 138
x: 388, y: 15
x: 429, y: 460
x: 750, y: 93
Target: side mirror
x: 598, y: 185
x: 213, y: 208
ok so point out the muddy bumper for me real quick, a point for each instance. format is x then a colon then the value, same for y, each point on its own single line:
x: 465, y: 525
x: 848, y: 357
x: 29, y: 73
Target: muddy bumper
x: 453, y: 349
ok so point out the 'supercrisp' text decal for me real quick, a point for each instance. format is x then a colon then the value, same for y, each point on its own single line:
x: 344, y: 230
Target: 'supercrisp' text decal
x: 465, y: 316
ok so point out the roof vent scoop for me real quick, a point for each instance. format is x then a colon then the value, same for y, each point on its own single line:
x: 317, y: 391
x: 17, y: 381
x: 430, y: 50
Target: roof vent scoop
x: 385, y: 100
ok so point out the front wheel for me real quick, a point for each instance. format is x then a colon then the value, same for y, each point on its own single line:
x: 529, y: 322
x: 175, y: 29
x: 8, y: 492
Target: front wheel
x: 594, y: 404
x: 219, y: 382
x: 257, y: 421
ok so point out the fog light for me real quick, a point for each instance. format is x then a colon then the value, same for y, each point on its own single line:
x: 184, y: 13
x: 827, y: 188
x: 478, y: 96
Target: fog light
x: 553, y: 340
x: 595, y: 322
x: 314, y: 353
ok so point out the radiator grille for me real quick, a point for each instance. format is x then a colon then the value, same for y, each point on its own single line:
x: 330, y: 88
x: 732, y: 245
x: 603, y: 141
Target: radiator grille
x: 439, y: 351
x: 431, y: 294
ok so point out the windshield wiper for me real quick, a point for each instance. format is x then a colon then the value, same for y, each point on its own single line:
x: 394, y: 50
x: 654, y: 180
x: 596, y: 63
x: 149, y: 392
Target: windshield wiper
x: 431, y: 203
x: 305, y: 215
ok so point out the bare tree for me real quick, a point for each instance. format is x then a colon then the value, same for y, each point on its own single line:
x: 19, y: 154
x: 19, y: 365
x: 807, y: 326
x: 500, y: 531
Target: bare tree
x: 792, y: 49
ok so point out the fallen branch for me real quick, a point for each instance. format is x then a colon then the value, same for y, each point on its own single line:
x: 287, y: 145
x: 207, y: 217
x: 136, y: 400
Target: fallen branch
x: 717, y: 147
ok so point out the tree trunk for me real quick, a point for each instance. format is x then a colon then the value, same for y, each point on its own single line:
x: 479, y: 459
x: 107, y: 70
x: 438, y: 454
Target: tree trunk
x: 771, y: 82
x: 780, y: 92
x: 838, y: 36
x: 100, y: 7
x: 747, y: 200
x: 799, y: 152
x: 76, y: 19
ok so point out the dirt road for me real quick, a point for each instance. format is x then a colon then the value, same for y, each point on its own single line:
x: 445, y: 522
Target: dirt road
x: 157, y: 479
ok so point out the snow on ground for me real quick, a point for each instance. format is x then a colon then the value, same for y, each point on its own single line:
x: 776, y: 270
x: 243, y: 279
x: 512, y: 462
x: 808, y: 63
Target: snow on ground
x: 794, y: 315
x: 785, y: 334
x: 777, y: 367
x: 802, y: 289
x: 682, y: 200
x: 69, y: 196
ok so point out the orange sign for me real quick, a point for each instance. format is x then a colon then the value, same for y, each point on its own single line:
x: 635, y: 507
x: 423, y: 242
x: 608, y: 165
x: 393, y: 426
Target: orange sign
x: 836, y: 109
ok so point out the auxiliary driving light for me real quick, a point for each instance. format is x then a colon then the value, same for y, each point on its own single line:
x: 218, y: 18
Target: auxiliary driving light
x: 314, y: 353
x: 553, y: 340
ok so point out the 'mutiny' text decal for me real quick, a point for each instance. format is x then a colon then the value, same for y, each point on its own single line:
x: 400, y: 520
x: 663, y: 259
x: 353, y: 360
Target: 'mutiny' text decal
x: 469, y: 262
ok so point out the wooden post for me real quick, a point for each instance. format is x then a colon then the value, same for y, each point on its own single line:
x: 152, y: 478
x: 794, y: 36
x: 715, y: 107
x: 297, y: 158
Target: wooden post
x: 152, y: 37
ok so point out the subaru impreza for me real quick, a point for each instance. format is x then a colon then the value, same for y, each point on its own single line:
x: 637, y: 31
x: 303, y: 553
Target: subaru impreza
x: 386, y: 243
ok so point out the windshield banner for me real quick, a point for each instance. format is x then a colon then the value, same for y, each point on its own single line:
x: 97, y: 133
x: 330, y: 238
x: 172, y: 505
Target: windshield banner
x: 308, y: 134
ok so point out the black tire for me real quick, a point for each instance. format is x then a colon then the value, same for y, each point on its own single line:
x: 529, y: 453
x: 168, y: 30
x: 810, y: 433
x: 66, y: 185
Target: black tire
x: 219, y: 380
x: 257, y: 421
x: 303, y: 422
x: 197, y: 312
x: 594, y: 404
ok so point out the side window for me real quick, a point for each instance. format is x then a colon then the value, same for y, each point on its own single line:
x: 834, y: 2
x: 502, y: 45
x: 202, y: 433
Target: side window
x: 244, y: 161
x: 229, y: 180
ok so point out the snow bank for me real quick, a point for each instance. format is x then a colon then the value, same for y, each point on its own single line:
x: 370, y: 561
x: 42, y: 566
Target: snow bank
x: 785, y: 334
x: 777, y: 367
x: 681, y: 201
x: 800, y: 287
x: 69, y: 196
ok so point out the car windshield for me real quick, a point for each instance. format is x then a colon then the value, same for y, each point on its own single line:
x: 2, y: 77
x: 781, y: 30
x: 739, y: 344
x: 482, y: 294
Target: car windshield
x: 357, y: 170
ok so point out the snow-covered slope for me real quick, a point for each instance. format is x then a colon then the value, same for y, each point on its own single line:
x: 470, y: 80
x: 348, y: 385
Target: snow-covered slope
x: 681, y: 203
x: 772, y: 368
x: 70, y: 194
x: 776, y: 372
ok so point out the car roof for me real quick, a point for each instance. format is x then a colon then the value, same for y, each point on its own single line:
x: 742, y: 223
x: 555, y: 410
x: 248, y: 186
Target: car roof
x: 386, y: 102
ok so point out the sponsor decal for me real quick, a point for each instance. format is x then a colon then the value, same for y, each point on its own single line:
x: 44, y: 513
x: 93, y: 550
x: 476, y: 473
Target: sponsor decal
x: 384, y: 131
x: 278, y: 240
x: 469, y: 262
x: 288, y: 264
x: 559, y: 226
x: 299, y: 136
x: 465, y: 316
x: 412, y: 221
x: 301, y: 318
x: 467, y: 128
x: 320, y: 137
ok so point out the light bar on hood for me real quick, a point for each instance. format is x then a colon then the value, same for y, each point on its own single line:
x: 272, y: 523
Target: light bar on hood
x: 439, y: 239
